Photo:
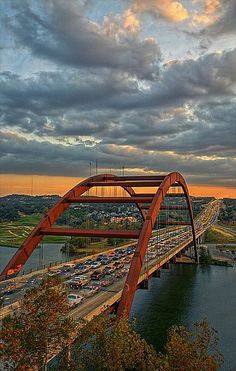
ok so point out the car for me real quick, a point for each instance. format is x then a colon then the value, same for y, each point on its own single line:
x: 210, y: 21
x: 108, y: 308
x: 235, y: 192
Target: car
x: 67, y: 267
x: 108, y: 270
x: 121, y: 252
x: 74, y: 285
x: 116, y: 257
x: 101, y: 257
x: 111, y: 254
x: 104, y: 261
x: 97, y: 275
x: 95, y: 265
x: 81, y: 278
x: 108, y: 282
x: 74, y: 299
x: 126, y: 260
x: 88, y: 291
x: 80, y: 271
x: 130, y: 252
x: 53, y: 273
x: 64, y: 274
x: 88, y: 261
x: 118, y: 265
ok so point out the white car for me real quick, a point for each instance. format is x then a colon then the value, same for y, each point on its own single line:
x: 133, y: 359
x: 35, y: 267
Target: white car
x: 74, y: 299
x: 81, y: 278
x: 95, y: 265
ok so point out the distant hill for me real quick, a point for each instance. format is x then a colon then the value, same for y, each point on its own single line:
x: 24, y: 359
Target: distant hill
x: 12, y: 206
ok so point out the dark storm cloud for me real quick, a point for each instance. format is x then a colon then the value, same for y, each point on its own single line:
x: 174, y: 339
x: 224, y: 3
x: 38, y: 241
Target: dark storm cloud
x: 211, y: 131
x: 58, y: 30
x: 46, y: 158
x: 211, y: 76
x: 48, y: 91
x: 56, y: 104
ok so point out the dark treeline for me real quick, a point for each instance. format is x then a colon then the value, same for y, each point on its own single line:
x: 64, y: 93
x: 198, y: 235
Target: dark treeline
x: 12, y: 207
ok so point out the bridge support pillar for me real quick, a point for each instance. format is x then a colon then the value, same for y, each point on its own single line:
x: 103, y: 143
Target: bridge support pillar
x: 166, y: 265
x: 144, y: 284
x: 157, y: 273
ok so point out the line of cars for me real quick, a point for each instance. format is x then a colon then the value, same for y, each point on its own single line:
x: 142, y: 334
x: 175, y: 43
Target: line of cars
x: 86, y: 278
x: 89, y: 277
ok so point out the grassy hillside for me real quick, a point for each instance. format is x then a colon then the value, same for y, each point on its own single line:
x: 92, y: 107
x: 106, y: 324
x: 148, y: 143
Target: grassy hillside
x: 217, y: 235
x: 15, y: 232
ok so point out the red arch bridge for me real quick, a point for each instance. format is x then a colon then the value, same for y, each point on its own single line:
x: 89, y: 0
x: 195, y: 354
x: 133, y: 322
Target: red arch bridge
x: 167, y: 230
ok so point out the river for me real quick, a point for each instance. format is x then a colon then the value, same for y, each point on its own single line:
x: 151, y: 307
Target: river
x: 50, y: 253
x: 187, y: 294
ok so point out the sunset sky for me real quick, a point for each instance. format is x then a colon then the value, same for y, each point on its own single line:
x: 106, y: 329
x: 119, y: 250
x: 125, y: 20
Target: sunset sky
x: 148, y: 85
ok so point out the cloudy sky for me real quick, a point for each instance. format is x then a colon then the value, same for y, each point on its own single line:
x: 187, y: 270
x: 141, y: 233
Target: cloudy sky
x: 148, y: 85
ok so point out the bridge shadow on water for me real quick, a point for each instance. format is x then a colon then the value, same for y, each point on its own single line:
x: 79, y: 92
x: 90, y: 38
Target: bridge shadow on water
x: 165, y: 303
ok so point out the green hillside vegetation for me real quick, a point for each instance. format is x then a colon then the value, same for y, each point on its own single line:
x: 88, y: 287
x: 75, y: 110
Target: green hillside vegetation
x: 14, y: 233
x: 217, y: 235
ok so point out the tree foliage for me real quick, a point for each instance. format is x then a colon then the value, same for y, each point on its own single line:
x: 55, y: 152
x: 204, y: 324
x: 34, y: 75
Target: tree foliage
x: 205, y: 256
x: 41, y: 329
x: 192, y: 350
x: 107, y: 343
x: 32, y: 335
x: 111, y: 344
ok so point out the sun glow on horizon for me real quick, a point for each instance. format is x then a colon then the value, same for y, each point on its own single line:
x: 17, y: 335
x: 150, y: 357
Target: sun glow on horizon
x: 42, y: 184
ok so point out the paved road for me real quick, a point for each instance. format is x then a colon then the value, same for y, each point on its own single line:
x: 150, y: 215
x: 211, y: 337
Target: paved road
x: 227, y: 229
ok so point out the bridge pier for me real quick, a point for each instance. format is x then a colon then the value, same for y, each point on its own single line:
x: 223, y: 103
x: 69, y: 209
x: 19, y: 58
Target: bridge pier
x: 144, y: 284
x: 166, y: 265
x: 157, y: 273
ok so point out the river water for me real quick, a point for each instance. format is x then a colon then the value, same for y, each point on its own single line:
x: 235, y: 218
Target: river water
x: 50, y: 253
x: 184, y: 294
x: 187, y: 294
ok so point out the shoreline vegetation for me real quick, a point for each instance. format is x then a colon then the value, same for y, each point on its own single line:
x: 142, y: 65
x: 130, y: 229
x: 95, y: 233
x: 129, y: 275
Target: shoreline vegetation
x: 205, y: 258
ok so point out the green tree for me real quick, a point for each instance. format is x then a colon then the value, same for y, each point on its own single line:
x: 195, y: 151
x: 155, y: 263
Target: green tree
x: 192, y: 350
x: 205, y: 256
x: 110, y: 344
x: 107, y: 343
x: 40, y: 328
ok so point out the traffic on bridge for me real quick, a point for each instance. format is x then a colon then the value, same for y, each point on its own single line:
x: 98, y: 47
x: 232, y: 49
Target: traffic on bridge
x: 94, y: 283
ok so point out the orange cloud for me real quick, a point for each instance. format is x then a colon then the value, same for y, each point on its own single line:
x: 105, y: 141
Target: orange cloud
x: 130, y: 21
x: 209, y: 14
x: 174, y: 11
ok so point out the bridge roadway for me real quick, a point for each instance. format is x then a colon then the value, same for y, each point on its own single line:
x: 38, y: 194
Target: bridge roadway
x: 102, y: 300
x: 109, y: 296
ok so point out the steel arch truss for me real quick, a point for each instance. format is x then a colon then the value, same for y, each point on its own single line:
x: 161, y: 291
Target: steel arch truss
x: 146, y: 232
x: 149, y: 215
